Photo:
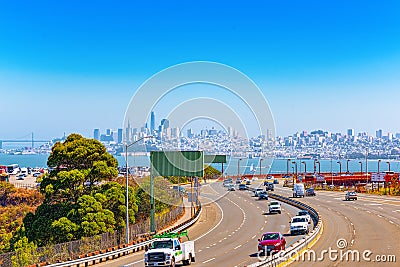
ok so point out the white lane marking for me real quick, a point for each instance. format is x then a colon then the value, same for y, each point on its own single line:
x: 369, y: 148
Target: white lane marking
x: 254, y: 236
x: 204, y: 262
x: 212, y: 229
x: 380, y: 216
x: 351, y: 224
x: 396, y: 211
x: 134, y: 263
x: 354, y: 232
x: 368, y: 211
x: 391, y: 222
x: 374, y: 204
x: 200, y: 250
x: 238, y: 247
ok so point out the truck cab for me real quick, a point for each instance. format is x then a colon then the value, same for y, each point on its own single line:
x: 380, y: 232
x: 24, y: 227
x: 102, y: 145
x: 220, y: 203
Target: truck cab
x: 298, y: 190
x: 167, y: 250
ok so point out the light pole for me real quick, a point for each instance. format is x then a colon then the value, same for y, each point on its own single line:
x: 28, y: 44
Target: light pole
x: 388, y: 163
x: 315, y: 165
x: 366, y: 164
x: 305, y: 167
x: 361, y: 167
x: 239, y: 166
x: 340, y: 168
x: 127, y: 184
x: 379, y: 165
x: 294, y: 176
x: 347, y: 166
x: 319, y: 166
x: 260, y: 167
x: 287, y: 166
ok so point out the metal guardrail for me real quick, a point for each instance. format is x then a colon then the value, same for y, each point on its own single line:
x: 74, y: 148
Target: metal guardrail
x: 111, y: 255
x: 297, y: 247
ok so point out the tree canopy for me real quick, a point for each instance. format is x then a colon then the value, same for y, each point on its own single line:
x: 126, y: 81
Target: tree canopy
x: 79, y: 201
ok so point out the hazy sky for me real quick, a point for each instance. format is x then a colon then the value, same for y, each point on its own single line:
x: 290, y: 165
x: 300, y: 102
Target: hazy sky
x: 71, y: 66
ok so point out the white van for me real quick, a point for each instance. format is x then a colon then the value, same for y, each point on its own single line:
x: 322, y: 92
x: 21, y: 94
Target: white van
x: 298, y: 190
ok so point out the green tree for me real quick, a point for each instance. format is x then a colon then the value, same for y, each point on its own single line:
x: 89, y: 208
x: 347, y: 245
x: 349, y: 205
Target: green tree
x: 210, y: 172
x: 25, y: 253
x: 78, y: 165
x: 77, y: 202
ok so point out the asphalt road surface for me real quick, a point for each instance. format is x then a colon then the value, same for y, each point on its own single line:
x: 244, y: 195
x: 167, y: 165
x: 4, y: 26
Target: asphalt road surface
x: 371, y: 223
x: 227, y: 231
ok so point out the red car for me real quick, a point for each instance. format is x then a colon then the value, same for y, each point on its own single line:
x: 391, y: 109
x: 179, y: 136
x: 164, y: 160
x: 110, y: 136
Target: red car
x: 271, y: 242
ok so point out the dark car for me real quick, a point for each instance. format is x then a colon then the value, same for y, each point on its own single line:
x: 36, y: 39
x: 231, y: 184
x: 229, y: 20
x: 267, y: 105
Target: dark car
x: 350, y: 196
x: 310, y: 192
x: 242, y: 187
x: 276, y: 181
x: 271, y: 242
x: 263, y: 195
x: 269, y: 186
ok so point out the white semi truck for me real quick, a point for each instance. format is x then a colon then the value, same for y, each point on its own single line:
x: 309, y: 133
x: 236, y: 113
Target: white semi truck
x: 167, y: 250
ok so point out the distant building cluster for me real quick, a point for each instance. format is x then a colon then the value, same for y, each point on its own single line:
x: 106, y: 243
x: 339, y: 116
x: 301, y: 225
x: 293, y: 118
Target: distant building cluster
x: 323, y: 144
x: 316, y: 144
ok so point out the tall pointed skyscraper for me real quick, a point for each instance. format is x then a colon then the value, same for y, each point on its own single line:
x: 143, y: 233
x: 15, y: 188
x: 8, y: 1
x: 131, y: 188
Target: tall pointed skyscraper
x: 152, y: 122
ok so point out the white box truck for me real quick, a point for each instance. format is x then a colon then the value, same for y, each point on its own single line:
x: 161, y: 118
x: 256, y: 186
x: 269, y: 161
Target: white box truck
x: 167, y: 250
x: 298, y: 190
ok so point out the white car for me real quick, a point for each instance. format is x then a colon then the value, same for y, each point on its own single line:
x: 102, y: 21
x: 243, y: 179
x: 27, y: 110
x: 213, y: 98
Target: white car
x: 275, y: 206
x: 299, y: 224
x: 305, y: 213
x: 257, y: 191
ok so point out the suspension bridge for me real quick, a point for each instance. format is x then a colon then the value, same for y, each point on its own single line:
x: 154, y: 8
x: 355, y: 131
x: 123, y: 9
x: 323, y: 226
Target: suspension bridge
x: 23, y: 139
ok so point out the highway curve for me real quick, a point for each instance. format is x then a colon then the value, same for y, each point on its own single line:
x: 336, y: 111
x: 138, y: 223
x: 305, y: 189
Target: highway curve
x: 369, y: 223
x: 227, y: 231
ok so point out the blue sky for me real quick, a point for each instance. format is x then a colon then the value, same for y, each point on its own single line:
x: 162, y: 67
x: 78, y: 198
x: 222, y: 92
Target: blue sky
x: 71, y: 66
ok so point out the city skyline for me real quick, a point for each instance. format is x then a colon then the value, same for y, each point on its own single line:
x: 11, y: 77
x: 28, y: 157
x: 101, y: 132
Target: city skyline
x: 65, y: 68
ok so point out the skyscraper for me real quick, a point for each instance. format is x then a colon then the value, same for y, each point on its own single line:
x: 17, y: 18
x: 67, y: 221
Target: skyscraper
x: 128, y: 132
x: 96, y: 134
x: 165, y: 123
x: 350, y: 132
x: 119, y: 139
x: 379, y: 133
x: 152, y: 122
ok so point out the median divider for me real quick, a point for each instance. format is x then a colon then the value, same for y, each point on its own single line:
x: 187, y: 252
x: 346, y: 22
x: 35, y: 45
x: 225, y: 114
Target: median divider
x: 114, y: 253
x: 288, y: 255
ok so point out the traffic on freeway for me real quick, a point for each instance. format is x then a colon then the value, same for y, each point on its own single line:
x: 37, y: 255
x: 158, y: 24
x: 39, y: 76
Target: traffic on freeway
x: 230, y: 227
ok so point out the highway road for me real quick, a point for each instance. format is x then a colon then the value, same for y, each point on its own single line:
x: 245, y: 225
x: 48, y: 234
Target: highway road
x: 369, y: 223
x: 227, y: 231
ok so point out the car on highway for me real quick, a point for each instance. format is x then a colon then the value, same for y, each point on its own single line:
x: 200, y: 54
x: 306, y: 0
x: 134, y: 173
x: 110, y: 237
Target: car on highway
x: 351, y: 195
x: 306, y: 214
x: 271, y: 242
x: 248, y: 182
x: 257, y: 191
x: 270, y: 177
x: 276, y: 181
x: 310, y: 192
x: 299, y: 224
x: 269, y: 186
x: 231, y: 187
x: 242, y: 187
x: 238, y: 180
x: 263, y: 195
x: 275, y: 207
